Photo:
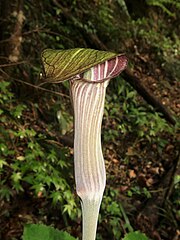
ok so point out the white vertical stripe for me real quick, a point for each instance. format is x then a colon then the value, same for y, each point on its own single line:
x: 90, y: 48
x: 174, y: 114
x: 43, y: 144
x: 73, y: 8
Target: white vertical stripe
x: 115, y: 65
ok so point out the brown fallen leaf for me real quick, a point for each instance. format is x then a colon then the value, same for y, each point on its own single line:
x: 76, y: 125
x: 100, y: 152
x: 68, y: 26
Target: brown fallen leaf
x: 130, y: 152
x: 132, y: 173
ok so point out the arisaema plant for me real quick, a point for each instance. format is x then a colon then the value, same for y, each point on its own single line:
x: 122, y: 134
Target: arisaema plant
x: 89, y: 72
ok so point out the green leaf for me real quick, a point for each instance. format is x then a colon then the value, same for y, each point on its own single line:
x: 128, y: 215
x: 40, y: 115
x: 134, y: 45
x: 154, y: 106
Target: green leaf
x: 16, y: 176
x: 3, y: 162
x: 4, y: 85
x: 42, y: 232
x: 5, y: 192
x: 56, y: 196
x: 135, y: 236
x: 60, y: 65
x: 17, y: 112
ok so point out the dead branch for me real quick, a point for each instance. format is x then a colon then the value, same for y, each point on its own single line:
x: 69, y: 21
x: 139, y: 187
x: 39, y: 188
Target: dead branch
x: 147, y: 95
x: 16, y: 37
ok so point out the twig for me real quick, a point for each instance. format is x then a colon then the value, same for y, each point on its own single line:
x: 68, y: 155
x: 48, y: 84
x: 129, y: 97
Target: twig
x: 41, y: 88
x: 35, y: 86
x: 12, y: 64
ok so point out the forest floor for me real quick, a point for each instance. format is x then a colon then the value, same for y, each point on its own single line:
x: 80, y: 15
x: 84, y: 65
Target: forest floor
x: 150, y: 209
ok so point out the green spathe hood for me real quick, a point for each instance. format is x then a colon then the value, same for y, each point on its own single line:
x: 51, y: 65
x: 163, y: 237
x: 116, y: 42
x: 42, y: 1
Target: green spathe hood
x: 60, y: 65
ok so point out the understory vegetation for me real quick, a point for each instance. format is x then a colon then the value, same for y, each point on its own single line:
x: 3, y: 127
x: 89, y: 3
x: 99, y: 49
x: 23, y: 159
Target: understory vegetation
x: 140, y: 145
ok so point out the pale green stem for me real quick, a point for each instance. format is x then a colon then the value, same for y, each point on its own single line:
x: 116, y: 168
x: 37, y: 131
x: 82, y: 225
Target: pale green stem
x: 88, y: 103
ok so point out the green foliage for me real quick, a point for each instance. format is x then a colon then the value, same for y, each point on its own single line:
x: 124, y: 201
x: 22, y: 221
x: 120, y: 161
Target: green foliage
x: 5, y: 94
x: 42, y: 232
x: 105, y: 14
x: 125, y: 115
x: 139, y: 191
x: 135, y: 236
x: 28, y: 160
x: 113, y: 212
x: 164, y: 5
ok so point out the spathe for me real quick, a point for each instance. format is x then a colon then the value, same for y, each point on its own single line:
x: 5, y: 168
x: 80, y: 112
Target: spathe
x: 89, y: 72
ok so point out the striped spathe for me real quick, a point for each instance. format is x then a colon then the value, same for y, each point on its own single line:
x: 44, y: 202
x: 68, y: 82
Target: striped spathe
x: 89, y: 72
x: 88, y: 96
